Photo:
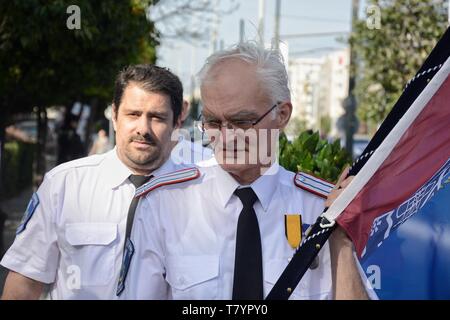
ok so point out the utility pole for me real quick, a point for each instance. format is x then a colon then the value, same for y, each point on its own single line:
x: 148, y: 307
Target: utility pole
x: 241, y: 30
x: 277, y: 23
x: 261, y: 15
x: 215, y: 30
x: 193, y: 60
x: 350, y: 101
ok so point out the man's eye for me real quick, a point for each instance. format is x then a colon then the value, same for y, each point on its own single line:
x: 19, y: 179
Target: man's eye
x: 242, y: 123
x: 213, y: 124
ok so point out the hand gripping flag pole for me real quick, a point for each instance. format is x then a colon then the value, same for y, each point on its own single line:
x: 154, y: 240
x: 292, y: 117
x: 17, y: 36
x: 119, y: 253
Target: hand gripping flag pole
x: 422, y: 86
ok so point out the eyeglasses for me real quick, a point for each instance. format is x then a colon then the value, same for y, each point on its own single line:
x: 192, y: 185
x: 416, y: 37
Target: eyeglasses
x: 234, y: 124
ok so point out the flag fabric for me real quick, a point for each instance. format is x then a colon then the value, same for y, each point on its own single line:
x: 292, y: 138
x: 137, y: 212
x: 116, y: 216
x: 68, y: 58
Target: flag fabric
x: 397, y: 208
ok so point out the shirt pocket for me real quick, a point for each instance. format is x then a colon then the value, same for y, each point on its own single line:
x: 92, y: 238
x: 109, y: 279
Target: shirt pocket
x: 313, y: 286
x: 93, y: 249
x: 193, y: 277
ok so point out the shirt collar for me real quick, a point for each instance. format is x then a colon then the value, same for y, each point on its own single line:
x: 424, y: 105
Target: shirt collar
x: 225, y: 185
x: 264, y: 186
x: 116, y: 172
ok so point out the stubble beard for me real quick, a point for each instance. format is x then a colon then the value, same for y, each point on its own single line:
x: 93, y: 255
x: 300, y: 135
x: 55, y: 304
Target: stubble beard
x: 145, y: 160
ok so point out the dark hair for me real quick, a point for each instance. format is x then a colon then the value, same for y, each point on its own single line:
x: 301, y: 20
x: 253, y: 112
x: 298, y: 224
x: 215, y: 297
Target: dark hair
x: 151, y: 78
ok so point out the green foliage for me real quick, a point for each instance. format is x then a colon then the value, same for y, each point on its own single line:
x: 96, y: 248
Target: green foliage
x: 311, y: 154
x: 390, y: 56
x: 19, y: 157
x: 45, y: 63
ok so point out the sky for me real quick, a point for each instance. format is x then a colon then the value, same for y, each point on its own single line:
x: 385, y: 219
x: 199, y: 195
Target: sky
x: 297, y: 16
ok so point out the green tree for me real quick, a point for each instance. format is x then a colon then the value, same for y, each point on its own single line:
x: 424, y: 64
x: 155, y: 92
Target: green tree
x: 44, y: 63
x: 391, y: 55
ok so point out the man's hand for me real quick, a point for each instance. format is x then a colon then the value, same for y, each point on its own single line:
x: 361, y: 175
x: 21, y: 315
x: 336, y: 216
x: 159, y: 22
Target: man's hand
x: 347, y: 282
x: 342, y: 183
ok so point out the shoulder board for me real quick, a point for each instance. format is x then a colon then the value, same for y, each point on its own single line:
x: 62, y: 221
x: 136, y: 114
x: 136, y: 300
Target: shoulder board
x: 313, y: 184
x: 166, y: 179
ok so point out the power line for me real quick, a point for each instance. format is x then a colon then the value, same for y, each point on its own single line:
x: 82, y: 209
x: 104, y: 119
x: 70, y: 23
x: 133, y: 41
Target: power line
x: 313, y: 35
x: 301, y: 52
x: 315, y: 19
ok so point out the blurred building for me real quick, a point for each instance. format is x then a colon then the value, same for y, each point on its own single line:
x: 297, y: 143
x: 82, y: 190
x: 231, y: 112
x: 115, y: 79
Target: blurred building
x: 319, y: 86
x: 305, y: 78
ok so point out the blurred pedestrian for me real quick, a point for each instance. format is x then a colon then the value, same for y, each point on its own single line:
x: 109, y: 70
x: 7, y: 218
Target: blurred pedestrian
x: 70, y: 146
x: 101, y: 143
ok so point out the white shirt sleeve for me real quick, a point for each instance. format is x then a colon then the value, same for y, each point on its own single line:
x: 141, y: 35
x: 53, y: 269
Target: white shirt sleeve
x: 146, y: 275
x: 34, y: 252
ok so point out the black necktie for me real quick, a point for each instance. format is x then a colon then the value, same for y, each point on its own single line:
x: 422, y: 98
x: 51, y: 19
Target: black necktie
x: 248, y: 272
x: 137, y: 181
x: 128, y: 249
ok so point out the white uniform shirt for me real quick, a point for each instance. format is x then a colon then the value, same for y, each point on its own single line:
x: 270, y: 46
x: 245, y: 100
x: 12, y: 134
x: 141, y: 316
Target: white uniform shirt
x: 184, y: 237
x: 74, y: 240
x: 187, y: 152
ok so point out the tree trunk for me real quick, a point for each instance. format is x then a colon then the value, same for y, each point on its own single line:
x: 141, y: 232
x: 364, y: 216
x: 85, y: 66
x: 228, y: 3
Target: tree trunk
x: 40, y: 166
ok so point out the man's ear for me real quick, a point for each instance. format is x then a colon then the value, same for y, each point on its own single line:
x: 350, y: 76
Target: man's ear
x: 183, y: 114
x: 184, y: 110
x: 114, y: 116
x: 284, y: 112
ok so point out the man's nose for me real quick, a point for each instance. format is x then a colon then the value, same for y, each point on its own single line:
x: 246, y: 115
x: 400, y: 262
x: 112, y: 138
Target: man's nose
x: 144, y: 126
x: 227, y: 134
x: 227, y: 130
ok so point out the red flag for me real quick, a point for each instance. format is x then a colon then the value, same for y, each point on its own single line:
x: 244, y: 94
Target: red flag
x: 421, y: 151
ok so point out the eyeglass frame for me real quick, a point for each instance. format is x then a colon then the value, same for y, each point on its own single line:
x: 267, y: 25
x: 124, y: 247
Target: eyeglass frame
x: 234, y: 127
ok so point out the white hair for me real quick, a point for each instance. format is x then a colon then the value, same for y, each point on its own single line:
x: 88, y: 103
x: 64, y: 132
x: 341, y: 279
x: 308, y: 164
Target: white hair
x: 269, y: 66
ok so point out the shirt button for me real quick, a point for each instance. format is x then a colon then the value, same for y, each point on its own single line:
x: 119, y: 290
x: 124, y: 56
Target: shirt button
x: 181, y: 280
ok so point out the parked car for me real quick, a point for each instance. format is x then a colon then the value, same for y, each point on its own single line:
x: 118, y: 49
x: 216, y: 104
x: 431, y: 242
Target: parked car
x: 359, y: 144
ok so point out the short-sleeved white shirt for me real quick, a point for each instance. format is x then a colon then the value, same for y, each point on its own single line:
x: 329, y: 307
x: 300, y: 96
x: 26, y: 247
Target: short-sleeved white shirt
x: 74, y: 239
x: 184, y: 237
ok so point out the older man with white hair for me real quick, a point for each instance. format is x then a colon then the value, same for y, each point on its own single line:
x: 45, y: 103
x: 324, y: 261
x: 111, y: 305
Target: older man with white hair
x: 226, y: 229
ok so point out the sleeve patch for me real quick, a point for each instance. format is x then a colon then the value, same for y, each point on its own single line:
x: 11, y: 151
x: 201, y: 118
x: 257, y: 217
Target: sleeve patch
x: 32, y: 205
